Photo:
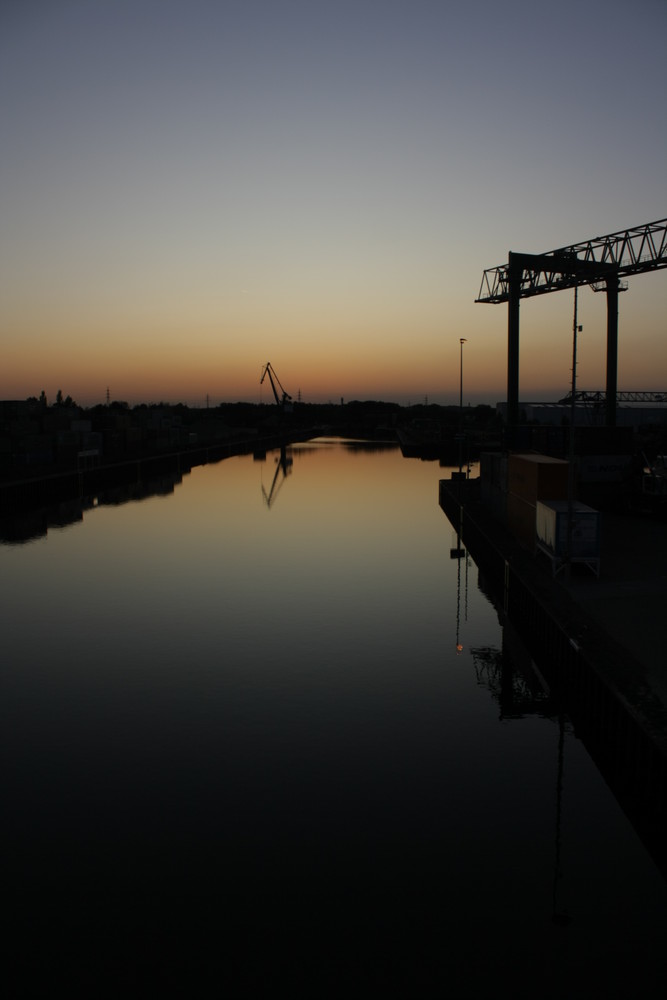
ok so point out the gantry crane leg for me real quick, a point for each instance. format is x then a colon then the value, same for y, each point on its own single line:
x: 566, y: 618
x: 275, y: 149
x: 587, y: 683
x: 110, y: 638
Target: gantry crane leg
x: 612, y: 349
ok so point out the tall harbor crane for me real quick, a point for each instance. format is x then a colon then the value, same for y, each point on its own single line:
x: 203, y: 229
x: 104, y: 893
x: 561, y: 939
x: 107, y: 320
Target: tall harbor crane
x: 285, y: 403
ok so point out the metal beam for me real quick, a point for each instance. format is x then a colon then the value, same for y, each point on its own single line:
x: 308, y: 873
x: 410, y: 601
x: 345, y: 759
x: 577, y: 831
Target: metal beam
x: 632, y: 251
x: 598, y: 396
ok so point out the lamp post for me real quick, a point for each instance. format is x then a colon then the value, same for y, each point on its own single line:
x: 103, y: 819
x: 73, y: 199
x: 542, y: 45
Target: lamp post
x: 462, y: 341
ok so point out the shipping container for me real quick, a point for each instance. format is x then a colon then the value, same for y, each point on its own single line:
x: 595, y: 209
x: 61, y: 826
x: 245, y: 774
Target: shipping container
x: 555, y: 536
x: 537, y: 477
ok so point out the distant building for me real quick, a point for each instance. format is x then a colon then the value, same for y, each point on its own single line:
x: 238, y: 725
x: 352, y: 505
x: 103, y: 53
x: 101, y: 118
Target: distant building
x: 588, y: 414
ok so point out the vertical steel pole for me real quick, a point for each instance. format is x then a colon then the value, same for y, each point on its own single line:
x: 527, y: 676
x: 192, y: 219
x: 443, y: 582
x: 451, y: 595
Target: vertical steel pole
x: 570, y: 471
x: 574, y: 367
x: 514, y: 293
x: 612, y: 349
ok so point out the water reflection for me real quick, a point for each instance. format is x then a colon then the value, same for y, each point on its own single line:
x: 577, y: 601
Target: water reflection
x: 22, y: 526
x: 517, y: 692
x: 284, y: 465
x: 27, y: 526
x: 516, y: 687
x: 260, y: 726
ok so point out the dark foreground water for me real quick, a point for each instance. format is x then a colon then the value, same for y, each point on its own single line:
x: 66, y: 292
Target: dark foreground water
x: 253, y: 738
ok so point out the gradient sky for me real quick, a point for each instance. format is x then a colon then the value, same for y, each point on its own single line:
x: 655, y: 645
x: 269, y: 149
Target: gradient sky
x: 192, y: 188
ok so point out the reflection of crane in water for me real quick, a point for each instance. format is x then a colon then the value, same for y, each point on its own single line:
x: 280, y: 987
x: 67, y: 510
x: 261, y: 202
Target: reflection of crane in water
x: 519, y: 694
x: 284, y: 402
x: 520, y: 691
x: 283, y: 465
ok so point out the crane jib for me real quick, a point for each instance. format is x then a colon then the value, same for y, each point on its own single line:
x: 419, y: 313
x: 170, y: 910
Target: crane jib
x: 269, y: 370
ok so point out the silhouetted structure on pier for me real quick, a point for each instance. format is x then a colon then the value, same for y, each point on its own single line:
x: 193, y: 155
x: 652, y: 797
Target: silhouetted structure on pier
x: 601, y: 263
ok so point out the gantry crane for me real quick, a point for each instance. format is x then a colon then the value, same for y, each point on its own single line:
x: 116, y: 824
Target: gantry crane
x: 285, y: 403
x: 601, y: 263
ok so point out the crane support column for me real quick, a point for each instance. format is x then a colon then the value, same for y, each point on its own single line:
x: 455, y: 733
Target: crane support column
x: 514, y: 273
x: 612, y: 349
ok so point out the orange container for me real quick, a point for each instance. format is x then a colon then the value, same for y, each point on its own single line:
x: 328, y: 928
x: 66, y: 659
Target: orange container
x: 537, y: 477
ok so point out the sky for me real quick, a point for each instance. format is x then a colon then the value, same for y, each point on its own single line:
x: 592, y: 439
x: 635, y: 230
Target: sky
x: 190, y: 189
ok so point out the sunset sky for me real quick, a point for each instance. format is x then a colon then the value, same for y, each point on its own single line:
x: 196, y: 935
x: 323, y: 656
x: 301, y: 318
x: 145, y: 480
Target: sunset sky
x: 192, y: 188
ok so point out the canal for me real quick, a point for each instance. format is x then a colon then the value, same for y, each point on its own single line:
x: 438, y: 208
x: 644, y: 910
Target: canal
x: 254, y: 725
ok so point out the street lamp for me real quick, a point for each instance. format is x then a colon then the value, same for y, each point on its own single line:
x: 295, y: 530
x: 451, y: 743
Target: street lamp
x: 462, y: 341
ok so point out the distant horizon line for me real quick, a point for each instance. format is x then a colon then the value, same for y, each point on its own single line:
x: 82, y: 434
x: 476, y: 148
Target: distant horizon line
x: 213, y: 402
x: 210, y: 402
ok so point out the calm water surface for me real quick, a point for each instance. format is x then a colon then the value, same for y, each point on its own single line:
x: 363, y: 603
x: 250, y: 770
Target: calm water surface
x: 243, y: 704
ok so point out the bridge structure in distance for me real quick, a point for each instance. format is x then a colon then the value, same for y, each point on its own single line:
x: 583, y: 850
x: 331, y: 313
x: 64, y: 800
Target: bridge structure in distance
x: 603, y: 263
x: 599, y: 396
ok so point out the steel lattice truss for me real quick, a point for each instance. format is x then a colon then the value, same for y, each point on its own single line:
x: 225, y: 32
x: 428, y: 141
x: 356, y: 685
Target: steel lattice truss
x: 599, y: 396
x: 630, y: 251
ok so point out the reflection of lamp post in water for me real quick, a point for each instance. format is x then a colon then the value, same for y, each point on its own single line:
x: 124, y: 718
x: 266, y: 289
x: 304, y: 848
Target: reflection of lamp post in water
x: 459, y: 644
x: 459, y: 553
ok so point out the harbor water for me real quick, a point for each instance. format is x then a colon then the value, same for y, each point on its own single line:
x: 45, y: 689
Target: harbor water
x: 260, y: 713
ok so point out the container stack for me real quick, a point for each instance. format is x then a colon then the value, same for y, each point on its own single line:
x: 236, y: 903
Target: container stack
x: 530, y: 479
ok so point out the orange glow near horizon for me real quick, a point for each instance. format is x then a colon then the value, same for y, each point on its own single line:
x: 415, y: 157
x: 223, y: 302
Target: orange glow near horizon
x: 356, y: 357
